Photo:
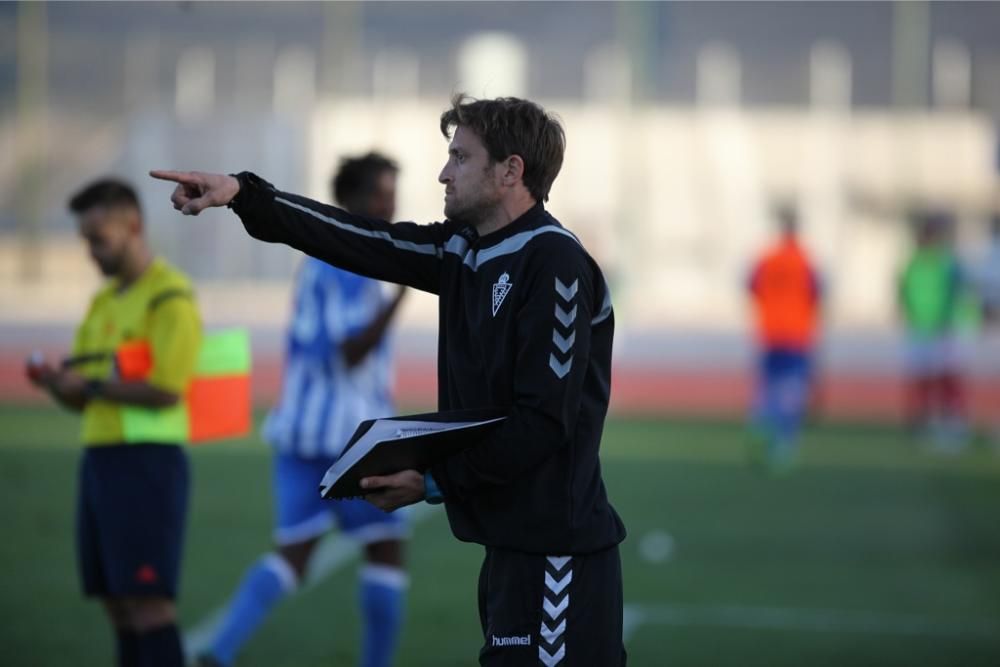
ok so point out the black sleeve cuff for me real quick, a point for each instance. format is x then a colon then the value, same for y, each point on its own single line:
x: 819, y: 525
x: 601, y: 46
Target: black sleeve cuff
x: 253, y: 189
x: 442, y: 486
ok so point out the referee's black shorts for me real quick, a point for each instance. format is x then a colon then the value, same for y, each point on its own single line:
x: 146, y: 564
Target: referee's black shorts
x: 563, y: 611
x: 131, y: 510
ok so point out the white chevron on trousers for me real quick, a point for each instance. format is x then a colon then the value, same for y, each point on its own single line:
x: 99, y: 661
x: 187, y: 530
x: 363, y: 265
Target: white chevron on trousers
x: 557, y: 566
x: 566, y: 319
x: 558, y: 562
x: 551, y: 635
x: 563, y: 343
x: 558, y: 586
x: 554, y: 610
x: 565, y: 292
x: 551, y: 659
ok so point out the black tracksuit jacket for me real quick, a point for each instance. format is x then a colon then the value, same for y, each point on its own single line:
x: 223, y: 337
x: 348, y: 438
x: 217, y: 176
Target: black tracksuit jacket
x: 525, y: 324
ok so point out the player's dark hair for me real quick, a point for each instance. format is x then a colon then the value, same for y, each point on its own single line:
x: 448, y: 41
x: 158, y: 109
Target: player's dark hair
x: 356, y: 177
x: 107, y: 192
x: 512, y: 126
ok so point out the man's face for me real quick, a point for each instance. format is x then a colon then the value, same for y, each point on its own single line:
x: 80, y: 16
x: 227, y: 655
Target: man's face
x: 381, y: 202
x: 471, y: 183
x: 108, y: 232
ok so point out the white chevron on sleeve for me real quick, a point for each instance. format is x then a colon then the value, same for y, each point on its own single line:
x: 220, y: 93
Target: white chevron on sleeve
x: 551, y: 635
x: 558, y: 562
x: 560, y: 369
x: 565, y: 318
x: 565, y: 292
x: 551, y: 660
x: 554, y: 610
x: 563, y: 343
x: 558, y: 586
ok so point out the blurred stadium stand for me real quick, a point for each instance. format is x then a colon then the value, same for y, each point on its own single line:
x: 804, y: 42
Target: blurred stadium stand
x: 685, y: 122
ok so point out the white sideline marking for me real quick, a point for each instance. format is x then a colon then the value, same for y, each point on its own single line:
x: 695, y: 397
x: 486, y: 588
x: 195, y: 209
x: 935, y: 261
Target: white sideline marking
x: 332, y: 554
x: 817, y: 620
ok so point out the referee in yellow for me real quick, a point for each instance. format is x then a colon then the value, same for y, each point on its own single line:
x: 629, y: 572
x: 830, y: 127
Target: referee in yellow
x: 133, y: 487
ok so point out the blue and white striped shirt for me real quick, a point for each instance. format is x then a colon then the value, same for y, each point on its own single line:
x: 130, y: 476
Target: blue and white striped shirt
x: 322, y: 399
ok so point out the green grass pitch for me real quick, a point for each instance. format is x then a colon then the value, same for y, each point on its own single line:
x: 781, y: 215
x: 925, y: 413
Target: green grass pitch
x: 871, y: 553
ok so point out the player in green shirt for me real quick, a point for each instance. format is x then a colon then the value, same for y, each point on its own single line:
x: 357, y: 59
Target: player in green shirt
x: 930, y: 292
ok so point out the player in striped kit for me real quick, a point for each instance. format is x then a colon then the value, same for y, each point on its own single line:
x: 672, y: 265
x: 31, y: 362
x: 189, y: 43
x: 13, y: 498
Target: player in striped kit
x: 337, y: 373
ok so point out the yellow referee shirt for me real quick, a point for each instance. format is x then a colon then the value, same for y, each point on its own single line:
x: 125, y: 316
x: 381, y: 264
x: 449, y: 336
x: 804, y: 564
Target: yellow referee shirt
x: 158, y: 308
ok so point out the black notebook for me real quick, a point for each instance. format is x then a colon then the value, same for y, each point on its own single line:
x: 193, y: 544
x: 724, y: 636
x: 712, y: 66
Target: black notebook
x: 411, y: 442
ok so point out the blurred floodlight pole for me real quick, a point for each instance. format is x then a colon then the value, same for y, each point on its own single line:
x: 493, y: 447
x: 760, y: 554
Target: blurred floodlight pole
x: 294, y: 89
x: 952, y: 74
x: 638, y: 23
x: 339, y: 52
x: 493, y: 64
x: 142, y: 61
x: 341, y: 47
x: 254, y: 55
x: 396, y: 75
x: 719, y: 75
x: 32, y: 65
x: 195, y: 91
x: 910, y: 65
x: 821, y: 201
x: 910, y: 53
x: 731, y: 183
x: 634, y: 60
x: 829, y: 77
x: 607, y: 73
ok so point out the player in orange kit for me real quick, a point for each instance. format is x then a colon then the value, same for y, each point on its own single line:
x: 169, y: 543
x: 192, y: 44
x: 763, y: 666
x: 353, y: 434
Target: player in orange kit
x: 785, y: 291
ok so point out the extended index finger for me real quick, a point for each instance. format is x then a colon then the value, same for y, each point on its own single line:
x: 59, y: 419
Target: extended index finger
x: 183, y: 177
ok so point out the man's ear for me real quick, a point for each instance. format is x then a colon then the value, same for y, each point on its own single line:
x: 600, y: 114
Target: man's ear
x: 513, y: 170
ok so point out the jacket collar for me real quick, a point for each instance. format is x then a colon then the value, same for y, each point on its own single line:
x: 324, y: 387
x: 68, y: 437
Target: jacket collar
x: 527, y: 220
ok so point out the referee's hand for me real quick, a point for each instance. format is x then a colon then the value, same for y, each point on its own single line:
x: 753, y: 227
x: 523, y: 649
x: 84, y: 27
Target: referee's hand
x: 198, y: 190
x: 390, y: 492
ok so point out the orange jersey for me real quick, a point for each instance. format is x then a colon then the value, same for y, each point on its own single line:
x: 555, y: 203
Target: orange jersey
x: 785, y: 293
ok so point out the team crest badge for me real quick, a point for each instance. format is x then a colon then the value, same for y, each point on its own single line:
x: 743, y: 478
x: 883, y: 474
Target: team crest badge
x: 500, y: 290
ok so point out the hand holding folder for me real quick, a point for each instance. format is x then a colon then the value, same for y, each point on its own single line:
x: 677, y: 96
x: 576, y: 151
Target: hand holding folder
x: 413, y: 442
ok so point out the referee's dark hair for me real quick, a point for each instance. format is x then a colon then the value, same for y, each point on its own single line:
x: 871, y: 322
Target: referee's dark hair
x: 107, y: 192
x: 513, y: 126
x: 356, y: 178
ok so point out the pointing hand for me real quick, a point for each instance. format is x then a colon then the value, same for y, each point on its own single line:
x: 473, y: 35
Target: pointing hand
x: 198, y: 190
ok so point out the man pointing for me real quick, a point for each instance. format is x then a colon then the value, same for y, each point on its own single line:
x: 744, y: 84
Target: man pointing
x: 526, y: 324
